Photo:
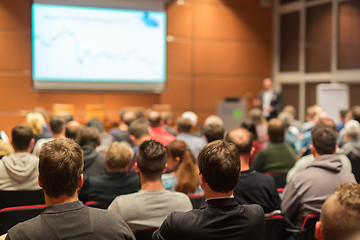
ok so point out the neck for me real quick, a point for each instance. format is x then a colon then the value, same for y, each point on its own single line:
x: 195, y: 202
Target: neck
x: 21, y: 151
x: 151, y: 185
x: 61, y: 199
x: 244, y: 160
x: 57, y: 136
x: 211, y: 194
x: 110, y: 170
x: 141, y: 139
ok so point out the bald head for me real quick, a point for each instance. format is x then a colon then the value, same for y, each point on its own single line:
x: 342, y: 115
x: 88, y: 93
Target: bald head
x: 242, y: 139
x: 276, y: 131
x: 340, y: 214
x: 127, y: 117
x: 154, y: 119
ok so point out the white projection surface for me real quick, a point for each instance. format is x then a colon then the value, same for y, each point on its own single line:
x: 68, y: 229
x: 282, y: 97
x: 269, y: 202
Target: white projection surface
x: 97, y: 45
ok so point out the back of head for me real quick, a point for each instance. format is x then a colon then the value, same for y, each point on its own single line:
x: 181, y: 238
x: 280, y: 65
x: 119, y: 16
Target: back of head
x: 184, y: 125
x: 139, y: 128
x: 256, y: 116
x: 57, y: 124
x: 60, y: 167
x: 5, y: 148
x: 72, y: 128
x: 154, y: 119
x: 220, y: 166
x: 88, y: 136
x: 21, y: 137
x: 290, y: 109
x: 250, y: 126
x: 242, y: 139
x: 213, y: 120
x: 96, y: 123
x: 35, y: 121
x: 151, y: 159
x: 119, y: 155
x: 276, y: 131
x: 352, y: 129
x: 323, y: 139
x: 286, y: 118
x: 213, y: 132
x: 340, y: 214
x: 326, y: 122
x: 192, y: 116
x: 127, y: 117
x: 355, y: 112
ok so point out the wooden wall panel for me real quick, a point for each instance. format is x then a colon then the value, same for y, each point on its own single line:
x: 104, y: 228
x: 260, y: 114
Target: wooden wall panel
x: 15, y: 14
x: 179, y: 20
x: 179, y: 57
x: 230, y: 57
x: 15, y: 51
x: 178, y: 92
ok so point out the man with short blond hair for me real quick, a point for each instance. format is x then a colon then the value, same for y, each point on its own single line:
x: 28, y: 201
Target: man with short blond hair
x: 340, y: 215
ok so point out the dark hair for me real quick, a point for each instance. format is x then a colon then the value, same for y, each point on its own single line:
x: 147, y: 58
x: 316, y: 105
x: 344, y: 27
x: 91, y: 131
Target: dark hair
x: 57, y: 124
x: 96, y: 123
x: 139, y: 128
x: 323, y: 139
x: 219, y: 163
x: 183, y: 125
x: 151, y: 159
x: 21, y: 137
x: 242, y: 139
x: 88, y: 136
x: 127, y: 117
x: 187, y: 171
x: 276, y: 131
x: 213, y: 132
x: 60, y: 167
x: 250, y: 126
x: 154, y: 119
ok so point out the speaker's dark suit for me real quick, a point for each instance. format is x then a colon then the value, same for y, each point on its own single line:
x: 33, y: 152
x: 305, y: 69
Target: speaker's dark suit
x: 276, y: 103
x: 222, y: 219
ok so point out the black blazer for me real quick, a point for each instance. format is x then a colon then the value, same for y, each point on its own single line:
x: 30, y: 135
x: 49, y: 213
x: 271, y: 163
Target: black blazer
x: 276, y: 103
x: 222, y: 219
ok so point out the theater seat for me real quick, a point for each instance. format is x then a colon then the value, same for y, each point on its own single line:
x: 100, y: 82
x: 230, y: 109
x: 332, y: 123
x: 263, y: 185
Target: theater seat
x: 307, y: 231
x: 144, y: 234
x: 11, y: 216
x: 197, y: 200
x: 98, y: 204
x: 275, y: 227
x: 21, y: 198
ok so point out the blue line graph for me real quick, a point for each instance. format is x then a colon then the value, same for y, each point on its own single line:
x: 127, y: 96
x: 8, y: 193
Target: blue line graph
x: 91, y: 45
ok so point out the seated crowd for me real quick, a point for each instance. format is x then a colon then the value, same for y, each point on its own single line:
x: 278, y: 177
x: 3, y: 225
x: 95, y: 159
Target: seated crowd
x: 146, y: 173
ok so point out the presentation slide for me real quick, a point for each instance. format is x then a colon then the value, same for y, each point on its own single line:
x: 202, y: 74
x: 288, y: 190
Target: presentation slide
x: 86, y: 44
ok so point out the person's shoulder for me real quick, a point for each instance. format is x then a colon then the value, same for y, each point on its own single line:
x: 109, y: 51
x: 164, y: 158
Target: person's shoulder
x: 254, y: 210
x: 20, y: 229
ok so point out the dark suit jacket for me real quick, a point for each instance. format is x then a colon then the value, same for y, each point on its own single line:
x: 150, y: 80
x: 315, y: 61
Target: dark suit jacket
x: 222, y: 219
x: 276, y: 103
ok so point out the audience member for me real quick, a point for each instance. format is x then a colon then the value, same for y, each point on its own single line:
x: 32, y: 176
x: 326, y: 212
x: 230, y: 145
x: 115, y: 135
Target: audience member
x: 341, y: 125
x: 169, y: 121
x: 213, y: 128
x: 45, y: 129
x: 65, y: 217
x: 18, y: 171
x: 57, y: 127
x: 340, y: 215
x: 291, y: 109
x: 152, y: 204
x: 5, y: 148
x: 277, y: 157
x: 115, y: 181
x: 248, y: 125
x: 106, y: 139
x: 121, y: 133
x: 353, y: 114
x: 253, y: 187
x: 269, y: 100
x: 157, y: 132
x: 139, y: 133
x: 305, y: 161
x: 4, y: 137
x: 72, y: 127
x: 184, y: 172
x: 260, y: 123
x: 35, y: 121
x: 94, y: 162
x: 222, y: 217
x: 352, y: 147
x: 308, y: 190
x: 184, y: 129
x: 291, y: 132
x: 309, y: 118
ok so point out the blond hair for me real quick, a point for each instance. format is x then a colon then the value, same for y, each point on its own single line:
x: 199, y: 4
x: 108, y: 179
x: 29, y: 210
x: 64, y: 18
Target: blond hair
x: 119, y: 155
x: 35, y: 121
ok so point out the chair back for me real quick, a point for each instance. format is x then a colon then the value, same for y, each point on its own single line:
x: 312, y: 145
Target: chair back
x: 21, y: 198
x: 11, y: 216
x: 197, y: 200
x: 145, y: 234
x: 355, y: 164
x: 279, y: 178
x: 98, y: 204
x: 308, y: 227
x: 275, y: 227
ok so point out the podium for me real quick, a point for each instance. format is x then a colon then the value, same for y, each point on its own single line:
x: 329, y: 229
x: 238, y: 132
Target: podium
x: 232, y: 113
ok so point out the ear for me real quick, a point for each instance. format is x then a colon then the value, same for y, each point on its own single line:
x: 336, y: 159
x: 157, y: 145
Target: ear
x: 39, y: 181
x: 252, y: 151
x: 132, y: 138
x: 164, y: 171
x: 318, y: 230
x: 336, y: 147
x: 312, y: 149
x: 31, y: 145
x: 81, y: 181
x: 202, y: 179
x: 12, y: 144
x: 136, y: 168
